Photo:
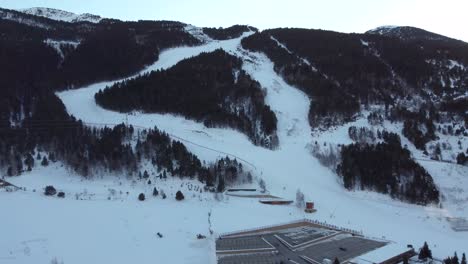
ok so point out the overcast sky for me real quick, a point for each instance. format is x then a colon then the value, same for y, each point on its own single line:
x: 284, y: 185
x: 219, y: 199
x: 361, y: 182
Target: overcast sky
x: 448, y: 17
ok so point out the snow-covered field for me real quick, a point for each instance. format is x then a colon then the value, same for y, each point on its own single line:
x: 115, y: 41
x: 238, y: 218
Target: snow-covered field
x: 37, y: 229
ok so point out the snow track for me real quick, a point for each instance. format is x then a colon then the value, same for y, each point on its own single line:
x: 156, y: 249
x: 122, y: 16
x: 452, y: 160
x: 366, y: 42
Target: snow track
x: 285, y: 170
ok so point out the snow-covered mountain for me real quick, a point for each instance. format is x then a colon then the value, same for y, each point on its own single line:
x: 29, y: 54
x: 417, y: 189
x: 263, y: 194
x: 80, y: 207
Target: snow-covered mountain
x: 61, y: 15
x: 320, y: 85
x: 407, y: 33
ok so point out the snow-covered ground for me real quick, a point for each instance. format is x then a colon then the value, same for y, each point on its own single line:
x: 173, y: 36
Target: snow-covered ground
x: 122, y: 230
x: 57, y: 45
x: 450, y: 178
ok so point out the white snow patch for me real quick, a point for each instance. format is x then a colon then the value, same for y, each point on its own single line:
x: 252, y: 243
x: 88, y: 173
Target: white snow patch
x: 198, y: 33
x: 57, y: 45
x: 8, y: 15
x: 382, y: 30
x: 304, y: 60
x: 281, y: 44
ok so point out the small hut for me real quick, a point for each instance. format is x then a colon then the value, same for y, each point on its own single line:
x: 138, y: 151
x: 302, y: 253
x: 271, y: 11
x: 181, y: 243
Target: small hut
x: 310, y: 207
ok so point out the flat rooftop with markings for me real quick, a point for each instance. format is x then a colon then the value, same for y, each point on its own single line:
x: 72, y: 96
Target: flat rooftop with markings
x: 301, y: 242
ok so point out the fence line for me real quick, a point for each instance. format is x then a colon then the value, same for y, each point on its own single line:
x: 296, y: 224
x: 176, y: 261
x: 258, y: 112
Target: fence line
x: 316, y: 222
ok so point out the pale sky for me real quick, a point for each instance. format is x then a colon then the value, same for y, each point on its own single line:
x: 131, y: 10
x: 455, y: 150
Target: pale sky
x: 447, y: 17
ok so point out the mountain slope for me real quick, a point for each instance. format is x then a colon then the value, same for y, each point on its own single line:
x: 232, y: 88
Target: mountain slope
x: 290, y: 164
x: 60, y: 15
x: 386, y: 79
x: 211, y: 88
x: 407, y: 33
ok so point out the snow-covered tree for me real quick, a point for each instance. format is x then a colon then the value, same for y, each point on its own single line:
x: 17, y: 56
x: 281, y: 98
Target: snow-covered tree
x: 262, y: 185
x: 425, y: 252
x: 45, y: 161
x: 300, y: 199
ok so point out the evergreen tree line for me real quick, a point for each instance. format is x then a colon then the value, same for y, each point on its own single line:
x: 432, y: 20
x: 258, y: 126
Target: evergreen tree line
x: 386, y: 168
x: 108, y: 50
x: 33, y: 70
x: 228, y: 33
x: 341, y: 71
x: 92, y: 150
x: 116, y: 49
x: 211, y: 88
x: 33, y: 119
x: 418, y: 126
x: 83, y: 149
x: 168, y: 155
x: 342, y: 74
x: 425, y: 253
x: 228, y: 172
x: 362, y: 134
x: 455, y: 259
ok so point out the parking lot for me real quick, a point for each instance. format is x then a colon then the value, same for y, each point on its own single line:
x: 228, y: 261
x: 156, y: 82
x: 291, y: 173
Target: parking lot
x: 301, y: 235
x: 344, y: 249
x: 242, y: 243
x: 300, y: 244
x: 265, y: 258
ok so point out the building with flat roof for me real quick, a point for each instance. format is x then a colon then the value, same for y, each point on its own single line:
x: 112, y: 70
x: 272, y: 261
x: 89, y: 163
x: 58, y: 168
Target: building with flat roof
x: 306, y: 241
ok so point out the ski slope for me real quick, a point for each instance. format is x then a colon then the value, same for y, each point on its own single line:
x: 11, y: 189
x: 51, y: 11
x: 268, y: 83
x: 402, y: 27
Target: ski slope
x: 122, y: 230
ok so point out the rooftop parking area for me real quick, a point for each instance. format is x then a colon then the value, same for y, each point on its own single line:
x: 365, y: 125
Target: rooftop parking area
x: 242, y: 243
x: 305, y: 234
x: 344, y: 249
x: 265, y: 258
x: 300, y: 244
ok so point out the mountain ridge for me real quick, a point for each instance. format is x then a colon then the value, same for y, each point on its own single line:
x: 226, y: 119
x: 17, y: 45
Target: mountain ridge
x: 409, y: 33
x: 61, y: 15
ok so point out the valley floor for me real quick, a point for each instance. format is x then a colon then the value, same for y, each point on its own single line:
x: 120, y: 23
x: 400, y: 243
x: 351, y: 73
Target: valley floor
x: 123, y: 230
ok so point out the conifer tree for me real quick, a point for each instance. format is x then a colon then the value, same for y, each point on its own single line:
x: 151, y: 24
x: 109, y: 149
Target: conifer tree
x: 425, y: 252
x: 455, y: 259
x: 179, y: 196
x: 45, y: 161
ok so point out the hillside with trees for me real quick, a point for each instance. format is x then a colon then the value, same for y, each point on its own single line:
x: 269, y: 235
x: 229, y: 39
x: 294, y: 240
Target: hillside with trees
x: 32, y: 117
x: 211, y: 88
x: 228, y: 33
x: 116, y: 49
x: 419, y: 81
x: 386, y: 168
